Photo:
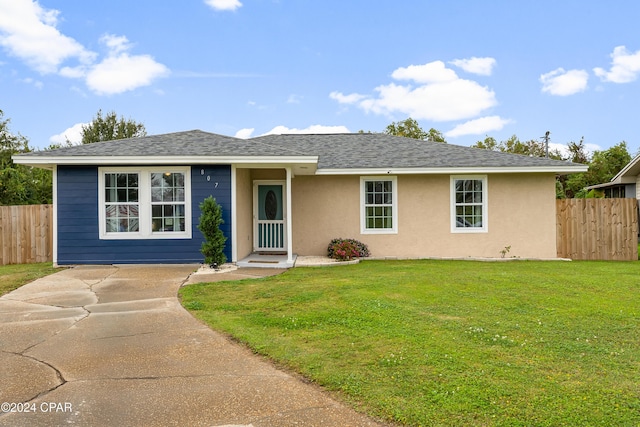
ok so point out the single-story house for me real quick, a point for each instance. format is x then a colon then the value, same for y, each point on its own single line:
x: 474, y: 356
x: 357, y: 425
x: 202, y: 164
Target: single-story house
x: 137, y: 200
x: 626, y: 183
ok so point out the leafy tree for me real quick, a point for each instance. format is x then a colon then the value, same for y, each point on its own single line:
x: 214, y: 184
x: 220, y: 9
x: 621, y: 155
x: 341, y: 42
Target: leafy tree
x: 435, y: 136
x: 489, y: 143
x: 20, y: 184
x: 109, y: 127
x: 210, y: 220
x: 577, y: 152
x: 604, y: 165
x: 409, y: 128
x: 513, y: 145
x: 567, y: 186
x: 572, y: 185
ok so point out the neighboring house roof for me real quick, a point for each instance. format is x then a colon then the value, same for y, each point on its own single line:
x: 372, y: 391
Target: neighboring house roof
x: 308, y: 153
x: 627, y: 175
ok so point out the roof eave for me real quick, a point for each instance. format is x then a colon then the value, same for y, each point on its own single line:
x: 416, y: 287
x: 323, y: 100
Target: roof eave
x: 453, y: 170
x: 629, y: 168
x: 50, y: 161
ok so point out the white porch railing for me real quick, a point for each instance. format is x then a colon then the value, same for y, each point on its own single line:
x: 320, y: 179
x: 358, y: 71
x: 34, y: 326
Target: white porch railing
x: 271, y: 235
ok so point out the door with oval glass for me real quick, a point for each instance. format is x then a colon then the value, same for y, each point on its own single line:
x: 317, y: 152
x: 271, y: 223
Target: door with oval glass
x: 270, y: 227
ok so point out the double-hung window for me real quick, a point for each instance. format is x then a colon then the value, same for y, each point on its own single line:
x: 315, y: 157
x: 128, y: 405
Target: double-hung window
x: 121, y: 202
x: 167, y: 202
x: 144, y: 203
x: 468, y: 204
x: 379, y: 210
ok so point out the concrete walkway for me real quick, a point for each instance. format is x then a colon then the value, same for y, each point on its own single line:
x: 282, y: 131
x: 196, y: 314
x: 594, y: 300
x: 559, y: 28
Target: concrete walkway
x: 111, y: 345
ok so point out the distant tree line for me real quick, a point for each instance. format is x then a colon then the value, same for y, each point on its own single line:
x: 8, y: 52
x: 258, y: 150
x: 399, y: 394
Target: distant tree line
x: 21, y: 185
x: 603, y: 164
x: 25, y: 185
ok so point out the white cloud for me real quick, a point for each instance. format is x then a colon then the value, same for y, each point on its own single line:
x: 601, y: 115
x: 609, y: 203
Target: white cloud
x: 562, y: 83
x: 280, y: 130
x: 29, y: 32
x: 121, y: 72
x: 482, y: 66
x: 478, y: 126
x: 440, y: 95
x: 244, y: 133
x: 346, y: 99
x: 625, y: 66
x: 37, y: 83
x: 224, y: 4
x: 433, y: 72
x: 294, y: 99
x: 73, y: 134
x: 115, y: 44
x: 564, y: 149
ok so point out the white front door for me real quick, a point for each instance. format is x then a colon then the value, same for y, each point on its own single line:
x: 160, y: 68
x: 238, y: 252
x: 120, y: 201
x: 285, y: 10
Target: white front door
x: 270, y: 233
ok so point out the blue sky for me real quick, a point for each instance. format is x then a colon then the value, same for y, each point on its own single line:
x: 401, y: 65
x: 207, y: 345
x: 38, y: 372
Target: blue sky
x: 250, y: 67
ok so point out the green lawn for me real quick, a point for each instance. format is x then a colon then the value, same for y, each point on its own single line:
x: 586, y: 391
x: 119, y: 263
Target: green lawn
x: 450, y: 343
x: 14, y: 276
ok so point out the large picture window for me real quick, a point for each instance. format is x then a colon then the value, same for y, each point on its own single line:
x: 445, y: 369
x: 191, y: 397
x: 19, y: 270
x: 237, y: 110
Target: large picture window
x: 379, y: 205
x: 469, y: 204
x: 144, y: 203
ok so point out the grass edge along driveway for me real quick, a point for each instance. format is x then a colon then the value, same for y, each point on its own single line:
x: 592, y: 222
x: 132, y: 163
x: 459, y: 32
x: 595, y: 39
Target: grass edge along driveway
x: 449, y: 343
x: 15, y: 275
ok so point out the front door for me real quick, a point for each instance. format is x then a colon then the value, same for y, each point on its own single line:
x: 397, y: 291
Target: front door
x: 269, y: 202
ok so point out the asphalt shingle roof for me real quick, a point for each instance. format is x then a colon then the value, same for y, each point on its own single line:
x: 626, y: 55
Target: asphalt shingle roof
x: 375, y: 150
x: 334, y: 151
x: 178, y: 144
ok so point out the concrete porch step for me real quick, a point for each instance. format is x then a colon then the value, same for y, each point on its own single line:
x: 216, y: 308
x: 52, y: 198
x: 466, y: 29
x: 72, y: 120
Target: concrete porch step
x: 266, y: 261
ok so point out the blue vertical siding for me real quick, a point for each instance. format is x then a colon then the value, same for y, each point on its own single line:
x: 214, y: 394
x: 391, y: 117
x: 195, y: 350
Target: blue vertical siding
x: 78, y: 228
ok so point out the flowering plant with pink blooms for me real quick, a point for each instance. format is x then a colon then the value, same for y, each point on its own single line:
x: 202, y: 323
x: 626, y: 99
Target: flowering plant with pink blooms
x: 347, y: 249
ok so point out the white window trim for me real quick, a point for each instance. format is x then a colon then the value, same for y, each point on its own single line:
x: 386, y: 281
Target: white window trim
x: 144, y: 201
x: 485, y: 211
x: 394, y: 205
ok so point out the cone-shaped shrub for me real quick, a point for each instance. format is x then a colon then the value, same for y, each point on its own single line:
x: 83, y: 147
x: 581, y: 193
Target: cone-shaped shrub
x: 214, y: 240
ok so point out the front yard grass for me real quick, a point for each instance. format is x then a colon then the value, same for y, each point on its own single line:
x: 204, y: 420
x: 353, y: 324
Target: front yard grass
x: 14, y: 276
x: 450, y: 343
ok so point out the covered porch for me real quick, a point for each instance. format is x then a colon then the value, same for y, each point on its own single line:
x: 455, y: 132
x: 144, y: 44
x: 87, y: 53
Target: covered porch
x: 262, y: 231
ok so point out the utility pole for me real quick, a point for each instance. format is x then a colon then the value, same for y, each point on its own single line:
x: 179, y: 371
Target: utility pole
x: 546, y: 143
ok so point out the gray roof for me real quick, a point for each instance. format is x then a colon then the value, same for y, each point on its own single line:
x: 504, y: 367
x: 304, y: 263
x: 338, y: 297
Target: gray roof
x: 178, y: 144
x: 334, y: 151
x: 379, y: 151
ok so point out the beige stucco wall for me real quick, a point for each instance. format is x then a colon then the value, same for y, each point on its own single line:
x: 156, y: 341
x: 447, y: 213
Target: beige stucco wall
x: 521, y: 214
x: 244, y: 213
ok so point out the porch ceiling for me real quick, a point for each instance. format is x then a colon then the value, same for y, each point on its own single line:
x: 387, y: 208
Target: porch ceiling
x: 301, y: 168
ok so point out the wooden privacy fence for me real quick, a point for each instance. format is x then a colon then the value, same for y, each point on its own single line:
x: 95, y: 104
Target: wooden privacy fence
x: 597, y: 229
x: 26, y: 233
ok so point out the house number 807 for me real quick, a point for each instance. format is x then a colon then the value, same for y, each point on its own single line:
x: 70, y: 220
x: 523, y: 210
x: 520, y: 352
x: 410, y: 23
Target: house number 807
x: 215, y: 185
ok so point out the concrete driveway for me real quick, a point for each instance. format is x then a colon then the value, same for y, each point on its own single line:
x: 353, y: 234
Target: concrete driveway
x: 111, y: 345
